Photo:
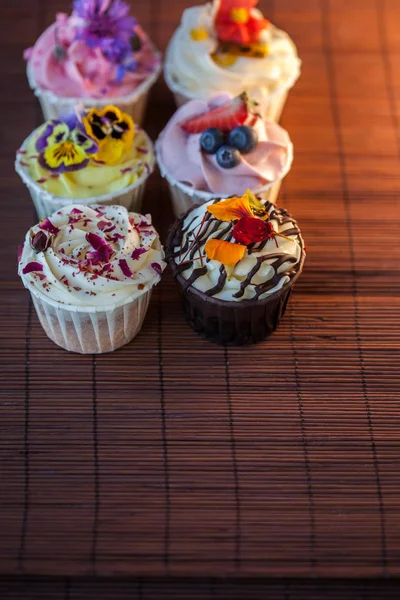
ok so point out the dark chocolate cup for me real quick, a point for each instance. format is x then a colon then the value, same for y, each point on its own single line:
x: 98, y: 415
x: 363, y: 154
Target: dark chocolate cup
x: 228, y: 322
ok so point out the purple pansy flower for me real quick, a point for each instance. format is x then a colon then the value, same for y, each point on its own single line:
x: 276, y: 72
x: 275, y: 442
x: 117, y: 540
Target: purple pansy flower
x: 65, y: 146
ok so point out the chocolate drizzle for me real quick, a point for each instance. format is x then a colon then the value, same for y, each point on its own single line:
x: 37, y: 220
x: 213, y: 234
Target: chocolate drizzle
x: 185, y: 254
x: 220, y: 284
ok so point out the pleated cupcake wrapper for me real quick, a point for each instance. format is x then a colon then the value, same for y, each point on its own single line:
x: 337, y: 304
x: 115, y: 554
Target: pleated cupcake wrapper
x: 54, y: 106
x: 46, y: 203
x: 271, y: 109
x: 185, y: 197
x: 90, y: 331
x: 228, y: 322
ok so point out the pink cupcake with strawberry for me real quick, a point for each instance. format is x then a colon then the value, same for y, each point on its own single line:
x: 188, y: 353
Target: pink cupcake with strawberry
x: 222, y: 147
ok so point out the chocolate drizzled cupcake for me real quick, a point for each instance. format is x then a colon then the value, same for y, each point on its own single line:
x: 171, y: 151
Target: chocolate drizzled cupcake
x: 236, y: 261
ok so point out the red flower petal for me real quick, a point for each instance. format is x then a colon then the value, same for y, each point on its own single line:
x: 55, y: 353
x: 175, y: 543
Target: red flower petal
x: 249, y: 230
x: 76, y: 211
x: 125, y: 267
x: 157, y: 268
x: 20, y: 251
x: 47, y: 225
x: 31, y: 267
x: 137, y: 253
x: 102, y: 251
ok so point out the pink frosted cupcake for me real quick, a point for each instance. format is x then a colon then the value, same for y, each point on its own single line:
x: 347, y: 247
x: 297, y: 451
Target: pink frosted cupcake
x: 96, y: 56
x: 222, y: 147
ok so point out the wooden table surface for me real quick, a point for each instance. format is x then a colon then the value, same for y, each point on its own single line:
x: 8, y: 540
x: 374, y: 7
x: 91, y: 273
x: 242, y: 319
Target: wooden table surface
x: 172, y: 456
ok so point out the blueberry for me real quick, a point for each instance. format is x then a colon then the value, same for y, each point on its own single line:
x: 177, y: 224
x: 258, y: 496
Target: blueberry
x: 211, y: 139
x: 243, y: 138
x: 228, y: 157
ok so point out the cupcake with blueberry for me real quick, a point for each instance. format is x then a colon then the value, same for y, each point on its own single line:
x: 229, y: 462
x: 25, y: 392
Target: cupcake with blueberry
x: 236, y: 261
x: 220, y: 147
x: 91, y: 157
x: 90, y: 272
x: 228, y: 45
x: 96, y: 56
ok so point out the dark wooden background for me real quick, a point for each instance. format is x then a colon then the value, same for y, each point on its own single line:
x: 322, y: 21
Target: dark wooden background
x: 173, y: 457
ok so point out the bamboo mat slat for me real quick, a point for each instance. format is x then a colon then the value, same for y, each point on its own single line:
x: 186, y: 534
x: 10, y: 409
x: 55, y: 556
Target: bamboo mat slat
x: 176, y: 457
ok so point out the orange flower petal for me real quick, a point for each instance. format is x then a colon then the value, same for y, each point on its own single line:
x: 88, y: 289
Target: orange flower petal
x: 226, y: 253
x: 231, y: 209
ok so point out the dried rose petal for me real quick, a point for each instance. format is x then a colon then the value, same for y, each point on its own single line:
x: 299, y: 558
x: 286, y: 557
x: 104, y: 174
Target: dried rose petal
x: 117, y: 236
x: 102, y: 251
x: 40, y: 241
x: 20, y: 251
x: 137, y: 253
x: 31, y: 267
x: 47, y: 225
x: 157, y: 268
x: 76, y: 211
x: 125, y: 267
x: 103, y: 224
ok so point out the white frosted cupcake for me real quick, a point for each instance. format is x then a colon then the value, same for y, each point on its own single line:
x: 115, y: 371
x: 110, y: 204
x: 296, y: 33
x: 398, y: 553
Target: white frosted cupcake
x: 90, y: 271
x: 227, y: 45
x: 89, y: 157
x: 222, y: 147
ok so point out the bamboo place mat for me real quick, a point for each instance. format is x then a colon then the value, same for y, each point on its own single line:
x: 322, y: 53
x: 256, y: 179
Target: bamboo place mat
x: 173, y: 456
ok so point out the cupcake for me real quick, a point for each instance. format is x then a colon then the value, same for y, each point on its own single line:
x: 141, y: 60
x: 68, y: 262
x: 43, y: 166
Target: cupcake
x: 219, y: 147
x: 92, y: 157
x: 236, y: 261
x: 98, y: 55
x: 90, y: 272
x: 227, y: 45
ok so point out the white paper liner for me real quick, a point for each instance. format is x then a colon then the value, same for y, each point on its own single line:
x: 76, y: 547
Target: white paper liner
x: 90, y: 331
x: 134, y: 104
x: 184, y: 197
x: 46, y: 203
x: 271, y: 107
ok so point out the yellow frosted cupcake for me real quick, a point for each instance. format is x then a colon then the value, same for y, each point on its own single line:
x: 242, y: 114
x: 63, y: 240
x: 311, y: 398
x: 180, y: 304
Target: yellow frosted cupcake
x: 91, y: 157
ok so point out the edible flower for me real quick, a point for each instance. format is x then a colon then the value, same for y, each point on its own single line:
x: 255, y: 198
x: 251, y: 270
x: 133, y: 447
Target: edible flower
x: 103, y: 20
x: 113, y: 131
x: 227, y: 253
x: 101, y: 252
x: 252, y: 226
x: 235, y: 208
x: 236, y: 23
x: 63, y: 146
x: 40, y: 242
x: 106, y: 24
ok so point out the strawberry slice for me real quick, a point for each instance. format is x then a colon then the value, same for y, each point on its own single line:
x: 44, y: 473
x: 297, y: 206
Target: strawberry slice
x: 226, y: 117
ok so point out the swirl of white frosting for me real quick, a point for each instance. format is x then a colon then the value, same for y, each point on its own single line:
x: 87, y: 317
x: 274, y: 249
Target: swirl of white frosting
x: 287, y: 252
x: 190, y: 65
x: 72, y: 271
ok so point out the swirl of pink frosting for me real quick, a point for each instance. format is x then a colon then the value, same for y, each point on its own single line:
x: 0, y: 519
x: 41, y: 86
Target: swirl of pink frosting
x: 183, y: 160
x: 84, y: 72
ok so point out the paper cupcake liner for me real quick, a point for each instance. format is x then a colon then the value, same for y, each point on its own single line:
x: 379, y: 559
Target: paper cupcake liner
x: 46, y: 203
x: 54, y: 106
x: 185, y: 197
x: 227, y: 322
x: 91, y: 332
